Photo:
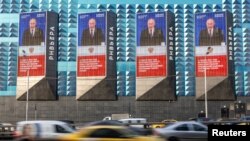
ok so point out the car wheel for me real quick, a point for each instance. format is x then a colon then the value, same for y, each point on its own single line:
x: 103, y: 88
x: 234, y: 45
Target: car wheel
x: 173, y: 139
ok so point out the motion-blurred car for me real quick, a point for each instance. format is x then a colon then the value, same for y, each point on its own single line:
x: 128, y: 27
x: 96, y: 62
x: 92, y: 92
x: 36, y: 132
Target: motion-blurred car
x: 141, y: 131
x: 162, y: 124
x: 226, y: 121
x: 201, y: 119
x: 157, y: 125
x: 134, y: 122
x: 6, y: 131
x: 245, y: 118
x: 184, y: 131
x: 107, y: 133
x: 104, y: 122
x: 169, y: 120
x: 44, y: 129
x: 243, y: 123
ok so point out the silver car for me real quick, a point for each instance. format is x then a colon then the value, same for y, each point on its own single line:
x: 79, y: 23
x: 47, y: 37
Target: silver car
x: 184, y: 131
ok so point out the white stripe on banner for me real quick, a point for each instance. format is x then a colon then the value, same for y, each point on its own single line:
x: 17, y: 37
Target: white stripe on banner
x: 210, y: 50
x: 91, y: 50
x: 151, y: 50
x: 31, y: 50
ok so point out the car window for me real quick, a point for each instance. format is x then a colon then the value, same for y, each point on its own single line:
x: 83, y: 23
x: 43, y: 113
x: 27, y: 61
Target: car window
x: 60, y: 129
x: 182, y: 127
x: 105, y: 133
x: 199, y: 128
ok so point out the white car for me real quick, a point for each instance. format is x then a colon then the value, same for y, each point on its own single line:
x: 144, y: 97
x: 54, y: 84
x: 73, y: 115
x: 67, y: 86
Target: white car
x: 184, y: 131
x: 44, y: 129
x: 134, y: 122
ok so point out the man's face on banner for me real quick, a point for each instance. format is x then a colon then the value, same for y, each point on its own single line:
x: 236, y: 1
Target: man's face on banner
x: 92, y: 23
x: 151, y: 23
x: 210, y: 23
x: 32, y: 23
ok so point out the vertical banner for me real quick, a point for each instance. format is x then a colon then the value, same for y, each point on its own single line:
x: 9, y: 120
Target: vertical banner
x: 91, y: 45
x: 155, y: 55
x: 210, y: 44
x: 151, y: 45
x: 37, y: 56
x: 213, y: 46
x: 32, y: 48
x: 96, y: 56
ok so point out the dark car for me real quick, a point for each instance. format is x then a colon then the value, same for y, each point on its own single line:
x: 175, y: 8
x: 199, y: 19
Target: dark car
x: 105, y: 122
x: 6, y: 131
x: 201, y: 119
x: 140, y: 131
x: 245, y: 118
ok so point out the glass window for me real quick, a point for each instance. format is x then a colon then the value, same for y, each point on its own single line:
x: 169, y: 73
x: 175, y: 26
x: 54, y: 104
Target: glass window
x: 183, y: 127
x: 199, y: 128
x: 60, y: 129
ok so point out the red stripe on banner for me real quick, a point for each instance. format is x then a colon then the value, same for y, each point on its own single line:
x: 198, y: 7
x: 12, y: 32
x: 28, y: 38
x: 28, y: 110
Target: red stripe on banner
x: 215, y: 66
x: 91, y: 66
x: 151, y: 66
x: 35, y: 65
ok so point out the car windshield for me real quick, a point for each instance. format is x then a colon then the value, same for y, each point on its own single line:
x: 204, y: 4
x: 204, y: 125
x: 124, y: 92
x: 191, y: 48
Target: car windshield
x: 69, y: 128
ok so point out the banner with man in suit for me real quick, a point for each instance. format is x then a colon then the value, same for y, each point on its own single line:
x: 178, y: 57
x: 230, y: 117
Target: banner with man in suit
x: 91, y: 44
x: 151, y: 45
x: 214, y: 63
x: 32, y: 44
x: 96, y: 56
x: 211, y: 49
x: 155, y: 56
x: 37, y: 56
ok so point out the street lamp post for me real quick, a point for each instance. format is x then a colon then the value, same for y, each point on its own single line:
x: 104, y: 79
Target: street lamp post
x: 27, y: 94
x: 35, y: 112
x: 28, y: 82
x: 205, y: 84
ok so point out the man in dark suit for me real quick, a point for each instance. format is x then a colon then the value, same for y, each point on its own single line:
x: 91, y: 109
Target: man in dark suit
x: 33, y: 35
x: 211, y: 36
x: 92, y: 35
x: 151, y: 36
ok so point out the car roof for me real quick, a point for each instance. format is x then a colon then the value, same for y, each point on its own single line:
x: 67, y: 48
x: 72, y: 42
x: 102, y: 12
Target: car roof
x: 169, y: 120
x: 102, y: 126
x: 124, y: 119
x: 184, y: 122
x: 187, y: 122
x: 105, y: 122
x: 5, y: 124
x: 41, y: 121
